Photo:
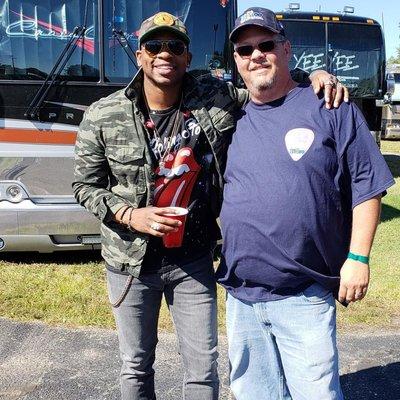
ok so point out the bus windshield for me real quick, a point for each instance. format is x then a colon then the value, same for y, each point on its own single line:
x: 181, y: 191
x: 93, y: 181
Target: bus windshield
x: 352, y: 52
x: 207, y: 23
x: 355, y: 56
x: 33, y: 34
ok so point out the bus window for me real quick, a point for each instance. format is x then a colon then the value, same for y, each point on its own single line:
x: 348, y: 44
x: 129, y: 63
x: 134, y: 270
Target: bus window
x: 208, y: 28
x: 32, y: 37
x: 308, y: 44
x: 355, y: 56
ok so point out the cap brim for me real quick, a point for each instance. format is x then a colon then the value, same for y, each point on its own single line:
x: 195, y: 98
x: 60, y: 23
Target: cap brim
x: 234, y: 33
x: 168, y: 29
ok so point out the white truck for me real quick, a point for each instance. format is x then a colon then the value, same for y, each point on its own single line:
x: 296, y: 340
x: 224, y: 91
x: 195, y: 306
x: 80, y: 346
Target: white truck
x: 391, y: 110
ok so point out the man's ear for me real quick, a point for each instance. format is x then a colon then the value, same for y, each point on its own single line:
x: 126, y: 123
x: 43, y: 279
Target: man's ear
x: 236, y: 57
x: 288, y: 50
x: 189, y: 58
x: 139, y: 57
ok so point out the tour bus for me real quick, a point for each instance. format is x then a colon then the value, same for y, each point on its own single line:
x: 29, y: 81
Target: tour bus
x: 56, y: 58
x: 348, y: 46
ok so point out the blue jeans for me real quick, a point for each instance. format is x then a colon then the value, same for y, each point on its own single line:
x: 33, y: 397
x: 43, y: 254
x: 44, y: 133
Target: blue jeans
x: 190, y: 292
x: 285, y: 349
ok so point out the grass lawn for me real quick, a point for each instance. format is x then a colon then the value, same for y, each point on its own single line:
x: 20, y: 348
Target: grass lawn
x: 59, y: 290
x: 381, y: 307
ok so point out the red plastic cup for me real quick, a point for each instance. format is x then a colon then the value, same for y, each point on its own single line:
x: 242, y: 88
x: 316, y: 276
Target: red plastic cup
x: 174, y: 239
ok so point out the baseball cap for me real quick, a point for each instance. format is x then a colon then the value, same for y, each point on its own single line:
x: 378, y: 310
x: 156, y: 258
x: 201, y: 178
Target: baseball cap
x: 257, y: 16
x: 163, y: 22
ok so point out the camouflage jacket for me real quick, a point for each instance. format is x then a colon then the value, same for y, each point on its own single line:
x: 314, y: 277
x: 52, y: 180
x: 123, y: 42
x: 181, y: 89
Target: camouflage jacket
x: 114, y: 166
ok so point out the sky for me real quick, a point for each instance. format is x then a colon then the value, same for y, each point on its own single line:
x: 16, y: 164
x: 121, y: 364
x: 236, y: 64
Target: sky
x: 389, y: 10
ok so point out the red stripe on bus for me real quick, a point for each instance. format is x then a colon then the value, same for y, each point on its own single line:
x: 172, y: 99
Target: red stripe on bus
x: 33, y: 136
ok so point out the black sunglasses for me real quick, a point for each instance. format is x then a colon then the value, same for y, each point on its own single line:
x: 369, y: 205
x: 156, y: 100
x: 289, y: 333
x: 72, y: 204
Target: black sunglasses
x: 153, y: 47
x: 264, y: 47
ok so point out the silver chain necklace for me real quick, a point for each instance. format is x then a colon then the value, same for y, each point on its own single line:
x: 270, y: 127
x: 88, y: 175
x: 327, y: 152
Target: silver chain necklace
x: 150, y: 125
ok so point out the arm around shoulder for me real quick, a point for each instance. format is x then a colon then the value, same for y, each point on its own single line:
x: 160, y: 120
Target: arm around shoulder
x: 240, y: 95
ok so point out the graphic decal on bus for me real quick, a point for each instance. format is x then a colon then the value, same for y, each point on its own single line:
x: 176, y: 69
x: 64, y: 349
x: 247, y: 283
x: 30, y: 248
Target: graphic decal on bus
x: 35, y: 28
x: 310, y: 61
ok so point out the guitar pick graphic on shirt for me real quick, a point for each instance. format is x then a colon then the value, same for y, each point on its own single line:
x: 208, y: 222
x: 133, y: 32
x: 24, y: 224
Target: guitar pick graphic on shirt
x: 298, y: 141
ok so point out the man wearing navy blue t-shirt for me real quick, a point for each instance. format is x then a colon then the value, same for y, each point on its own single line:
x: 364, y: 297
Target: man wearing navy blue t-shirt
x: 301, y: 206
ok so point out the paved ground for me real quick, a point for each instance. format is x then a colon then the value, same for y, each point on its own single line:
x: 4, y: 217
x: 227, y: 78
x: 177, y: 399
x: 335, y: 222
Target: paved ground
x: 41, y: 362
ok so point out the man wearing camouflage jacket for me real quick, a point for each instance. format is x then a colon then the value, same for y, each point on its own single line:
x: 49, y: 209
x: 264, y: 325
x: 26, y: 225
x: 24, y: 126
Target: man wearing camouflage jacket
x: 160, y: 142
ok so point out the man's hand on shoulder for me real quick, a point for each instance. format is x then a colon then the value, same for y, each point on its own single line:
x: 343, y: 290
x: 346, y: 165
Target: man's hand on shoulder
x: 335, y: 92
x: 354, y: 279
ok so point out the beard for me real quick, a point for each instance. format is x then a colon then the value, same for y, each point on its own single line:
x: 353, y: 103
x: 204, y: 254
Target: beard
x: 261, y: 83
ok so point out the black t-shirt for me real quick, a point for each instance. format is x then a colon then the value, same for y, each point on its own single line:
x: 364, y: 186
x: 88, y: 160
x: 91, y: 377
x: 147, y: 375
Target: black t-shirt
x: 183, y: 179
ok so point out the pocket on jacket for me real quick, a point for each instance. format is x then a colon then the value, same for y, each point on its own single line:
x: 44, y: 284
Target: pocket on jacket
x: 224, y: 121
x: 127, y: 164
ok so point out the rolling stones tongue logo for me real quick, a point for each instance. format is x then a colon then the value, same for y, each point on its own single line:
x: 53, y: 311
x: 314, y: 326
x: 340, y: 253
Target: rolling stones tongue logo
x: 176, y: 179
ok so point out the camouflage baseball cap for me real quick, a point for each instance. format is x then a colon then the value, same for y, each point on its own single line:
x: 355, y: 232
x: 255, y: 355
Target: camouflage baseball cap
x: 163, y: 22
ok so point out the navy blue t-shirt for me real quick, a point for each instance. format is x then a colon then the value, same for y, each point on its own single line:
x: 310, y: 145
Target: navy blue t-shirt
x: 295, y: 171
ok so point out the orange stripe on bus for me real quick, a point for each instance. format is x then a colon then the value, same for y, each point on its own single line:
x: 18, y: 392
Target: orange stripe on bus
x: 33, y: 136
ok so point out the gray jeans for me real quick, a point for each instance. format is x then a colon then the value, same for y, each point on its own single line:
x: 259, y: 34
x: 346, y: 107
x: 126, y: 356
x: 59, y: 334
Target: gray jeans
x: 190, y: 292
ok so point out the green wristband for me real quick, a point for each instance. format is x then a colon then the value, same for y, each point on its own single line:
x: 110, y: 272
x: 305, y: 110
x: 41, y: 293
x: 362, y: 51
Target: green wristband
x: 357, y: 257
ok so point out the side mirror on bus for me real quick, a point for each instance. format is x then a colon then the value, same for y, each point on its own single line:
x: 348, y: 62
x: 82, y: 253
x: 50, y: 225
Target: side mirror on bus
x: 387, y: 99
x: 390, y: 84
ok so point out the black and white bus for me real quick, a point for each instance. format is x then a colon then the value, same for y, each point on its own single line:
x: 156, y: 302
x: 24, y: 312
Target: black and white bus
x: 348, y: 46
x: 56, y: 58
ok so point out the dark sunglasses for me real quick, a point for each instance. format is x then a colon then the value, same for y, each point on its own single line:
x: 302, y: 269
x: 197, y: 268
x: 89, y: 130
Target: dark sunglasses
x: 264, y: 47
x: 153, y: 47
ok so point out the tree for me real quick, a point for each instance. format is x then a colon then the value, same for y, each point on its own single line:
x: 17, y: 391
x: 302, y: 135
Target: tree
x: 395, y: 59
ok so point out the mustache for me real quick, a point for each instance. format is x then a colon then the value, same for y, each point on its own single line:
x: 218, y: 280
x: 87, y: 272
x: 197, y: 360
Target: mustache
x: 259, y: 65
